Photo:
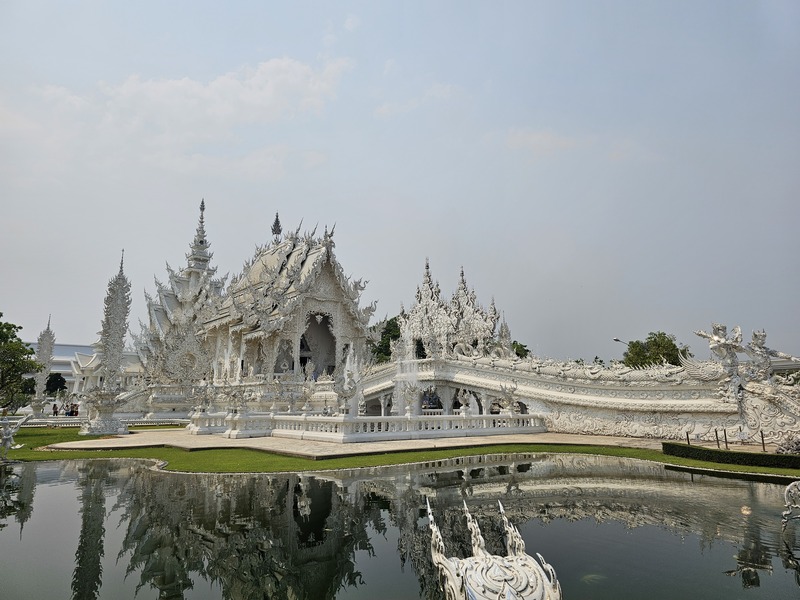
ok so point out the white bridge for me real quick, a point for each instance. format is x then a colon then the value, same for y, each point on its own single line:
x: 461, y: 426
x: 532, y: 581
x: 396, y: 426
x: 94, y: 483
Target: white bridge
x: 460, y: 396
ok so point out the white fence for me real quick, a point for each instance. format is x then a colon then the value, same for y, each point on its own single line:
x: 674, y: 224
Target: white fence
x: 344, y: 429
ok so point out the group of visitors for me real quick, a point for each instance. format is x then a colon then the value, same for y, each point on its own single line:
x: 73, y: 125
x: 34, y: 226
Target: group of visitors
x: 69, y: 410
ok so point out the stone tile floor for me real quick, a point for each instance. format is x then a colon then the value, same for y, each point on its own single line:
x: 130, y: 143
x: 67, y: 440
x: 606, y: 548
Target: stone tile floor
x: 315, y: 449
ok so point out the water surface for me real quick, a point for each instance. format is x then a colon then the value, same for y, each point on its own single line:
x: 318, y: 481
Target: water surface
x: 612, y: 528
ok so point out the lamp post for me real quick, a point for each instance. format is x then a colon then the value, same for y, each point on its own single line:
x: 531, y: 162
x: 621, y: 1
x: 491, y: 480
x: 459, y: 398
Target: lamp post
x: 627, y: 345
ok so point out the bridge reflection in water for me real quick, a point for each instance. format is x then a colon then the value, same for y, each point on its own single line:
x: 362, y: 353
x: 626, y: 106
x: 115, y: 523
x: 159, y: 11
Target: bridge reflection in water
x: 611, y: 528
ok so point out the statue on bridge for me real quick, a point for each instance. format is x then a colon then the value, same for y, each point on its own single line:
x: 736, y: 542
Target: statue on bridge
x: 760, y: 367
x: 725, y: 348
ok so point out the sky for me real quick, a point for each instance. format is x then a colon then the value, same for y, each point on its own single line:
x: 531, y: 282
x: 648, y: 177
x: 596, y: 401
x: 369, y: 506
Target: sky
x: 599, y: 169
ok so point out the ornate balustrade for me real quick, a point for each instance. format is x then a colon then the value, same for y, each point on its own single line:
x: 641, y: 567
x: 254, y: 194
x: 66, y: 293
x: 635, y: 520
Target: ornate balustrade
x: 344, y: 429
x: 204, y: 423
x: 575, y: 387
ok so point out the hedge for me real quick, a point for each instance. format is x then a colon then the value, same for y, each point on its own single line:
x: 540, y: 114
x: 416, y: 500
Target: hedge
x: 732, y: 457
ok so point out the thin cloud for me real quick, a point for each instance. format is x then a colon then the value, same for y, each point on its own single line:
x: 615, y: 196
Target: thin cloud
x: 273, y: 90
x: 352, y: 23
x: 389, y: 65
x: 168, y: 122
x: 435, y: 93
x: 539, y: 143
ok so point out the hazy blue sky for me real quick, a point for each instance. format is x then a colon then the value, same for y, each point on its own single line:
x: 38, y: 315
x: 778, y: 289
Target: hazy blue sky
x: 601, y: 169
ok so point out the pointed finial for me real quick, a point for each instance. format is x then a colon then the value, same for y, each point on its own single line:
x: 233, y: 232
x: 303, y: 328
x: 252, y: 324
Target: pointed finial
x: 199, y: 256
x: 277, y: 229
x: 122, y: 260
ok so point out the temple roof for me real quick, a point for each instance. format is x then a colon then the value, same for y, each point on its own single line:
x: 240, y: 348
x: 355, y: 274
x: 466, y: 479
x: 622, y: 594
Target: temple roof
x: 274, y: 281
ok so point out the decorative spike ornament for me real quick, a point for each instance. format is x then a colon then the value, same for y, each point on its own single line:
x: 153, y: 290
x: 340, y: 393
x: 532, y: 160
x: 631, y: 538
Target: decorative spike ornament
x: 199, y: 257
x: 115, y: 325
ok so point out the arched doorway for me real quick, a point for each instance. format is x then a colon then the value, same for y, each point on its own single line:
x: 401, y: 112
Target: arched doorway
x: 318, y: 344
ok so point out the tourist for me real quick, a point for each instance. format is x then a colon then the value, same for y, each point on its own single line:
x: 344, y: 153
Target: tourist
x: 55, y: 409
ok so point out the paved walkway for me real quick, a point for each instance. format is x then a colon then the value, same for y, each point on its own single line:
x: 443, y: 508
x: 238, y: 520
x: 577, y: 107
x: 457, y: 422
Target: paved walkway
x: 319, y: 450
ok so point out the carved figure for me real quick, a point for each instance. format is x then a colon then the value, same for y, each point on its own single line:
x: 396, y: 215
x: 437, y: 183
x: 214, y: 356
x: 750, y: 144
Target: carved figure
x: 464, y: 349
x: 7, y: 440
x: 760, y: 367
x: 725, y: 347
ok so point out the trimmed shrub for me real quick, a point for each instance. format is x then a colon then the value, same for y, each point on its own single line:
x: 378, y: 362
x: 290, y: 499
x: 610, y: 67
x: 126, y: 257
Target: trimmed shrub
x: 732, y: 457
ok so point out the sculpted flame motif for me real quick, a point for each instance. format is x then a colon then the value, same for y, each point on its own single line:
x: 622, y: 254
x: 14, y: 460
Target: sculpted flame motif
x: 484, y: 575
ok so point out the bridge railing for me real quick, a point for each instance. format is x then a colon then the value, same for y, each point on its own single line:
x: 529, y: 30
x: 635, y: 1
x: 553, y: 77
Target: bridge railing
x: 344, y: 429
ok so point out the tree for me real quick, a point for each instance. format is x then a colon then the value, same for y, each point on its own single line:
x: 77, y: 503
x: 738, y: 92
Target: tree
x: 55, y: 383
x: 520, y: 349
x: 28, y: 386
x: 657, y: 348
x: 382, y: 350
x: 15, y: 362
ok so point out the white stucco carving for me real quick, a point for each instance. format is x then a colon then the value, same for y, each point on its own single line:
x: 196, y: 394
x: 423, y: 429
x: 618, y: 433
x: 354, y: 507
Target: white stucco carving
x: 484, y: 575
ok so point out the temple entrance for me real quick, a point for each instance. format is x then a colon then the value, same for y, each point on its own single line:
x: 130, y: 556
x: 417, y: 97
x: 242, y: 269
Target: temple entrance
x: 318, y: 344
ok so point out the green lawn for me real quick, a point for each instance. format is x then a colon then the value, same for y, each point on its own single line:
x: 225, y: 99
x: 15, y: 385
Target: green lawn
x: 235, y: 460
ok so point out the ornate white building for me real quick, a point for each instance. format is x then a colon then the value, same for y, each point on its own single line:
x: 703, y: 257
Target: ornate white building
x: 283, y: 350
x: 289, y: 317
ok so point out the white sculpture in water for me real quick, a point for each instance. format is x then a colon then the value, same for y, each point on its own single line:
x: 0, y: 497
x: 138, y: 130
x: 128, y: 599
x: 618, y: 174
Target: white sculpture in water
x: 485, y: 576
x: 791, y: 497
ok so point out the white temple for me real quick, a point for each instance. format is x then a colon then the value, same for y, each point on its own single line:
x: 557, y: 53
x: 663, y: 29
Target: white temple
x: 283, y: 349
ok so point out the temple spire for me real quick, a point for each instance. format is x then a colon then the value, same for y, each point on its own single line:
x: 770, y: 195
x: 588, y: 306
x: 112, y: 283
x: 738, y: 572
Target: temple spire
x: 114, y: 326
x: 277, y: 229
x: 44, y: 356
x: 199, y: 257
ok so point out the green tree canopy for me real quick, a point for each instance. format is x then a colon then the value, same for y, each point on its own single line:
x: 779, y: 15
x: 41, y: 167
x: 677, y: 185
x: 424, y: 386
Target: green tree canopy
x: 16, y: 361
x: 382, y: 350
x: 657, y: 348
x: 520, y: 349
x: 55, y: 383
x: 28, y: 386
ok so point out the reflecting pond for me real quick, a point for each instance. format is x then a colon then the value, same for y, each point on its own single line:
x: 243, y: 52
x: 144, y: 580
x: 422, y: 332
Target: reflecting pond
x: 611, y: 528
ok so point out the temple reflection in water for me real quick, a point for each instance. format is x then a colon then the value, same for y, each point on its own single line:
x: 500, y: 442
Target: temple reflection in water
x: 310, y: 536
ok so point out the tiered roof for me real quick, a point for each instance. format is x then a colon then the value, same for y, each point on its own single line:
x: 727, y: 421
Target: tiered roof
x: 273, y: 283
